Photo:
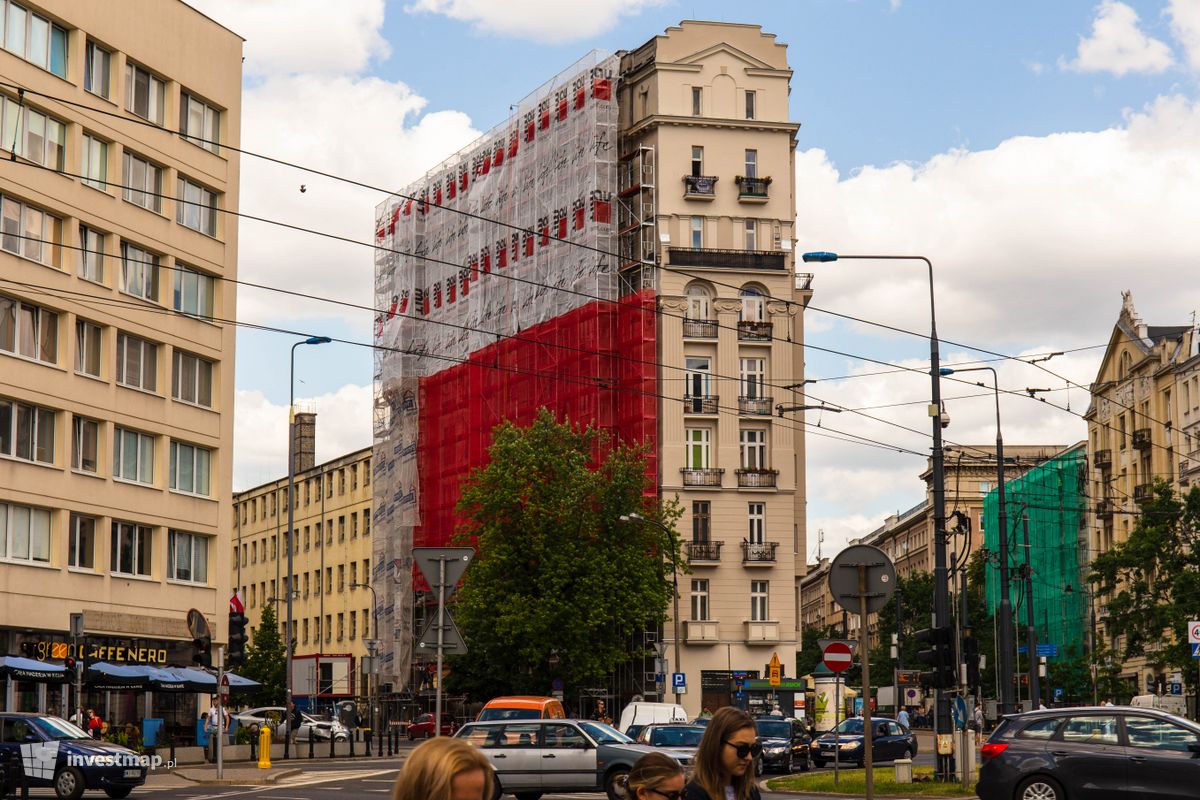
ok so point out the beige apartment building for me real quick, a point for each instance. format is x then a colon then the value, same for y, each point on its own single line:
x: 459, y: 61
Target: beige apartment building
x: 332, y: 606
x: 707, y: 171
x: 116, y: 363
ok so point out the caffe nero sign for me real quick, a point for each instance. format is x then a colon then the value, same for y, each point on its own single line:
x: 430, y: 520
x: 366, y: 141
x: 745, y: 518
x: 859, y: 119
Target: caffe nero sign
x: 129, y: 653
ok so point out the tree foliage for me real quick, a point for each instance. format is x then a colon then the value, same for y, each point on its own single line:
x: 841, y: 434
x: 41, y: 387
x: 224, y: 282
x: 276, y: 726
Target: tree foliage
x: 561, y: 585
x: 266, y: 662
x: 1152, y: 580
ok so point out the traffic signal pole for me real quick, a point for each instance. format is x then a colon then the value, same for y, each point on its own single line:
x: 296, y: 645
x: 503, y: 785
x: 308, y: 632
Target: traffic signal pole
x: 941, y: 576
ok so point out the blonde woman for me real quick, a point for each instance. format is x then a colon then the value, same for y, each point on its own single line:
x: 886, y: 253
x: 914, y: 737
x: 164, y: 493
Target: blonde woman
x: 444, y: 769
x: 655, y: 776
x: 723, y: 768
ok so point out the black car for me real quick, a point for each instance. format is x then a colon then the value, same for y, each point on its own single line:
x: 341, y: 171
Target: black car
x: 1097, y: 753
x: 54, y: 753
x: 890, y: 741
x: 785, y: 744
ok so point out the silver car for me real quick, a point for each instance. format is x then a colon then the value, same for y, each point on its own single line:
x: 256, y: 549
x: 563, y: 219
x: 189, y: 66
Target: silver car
x: 536, y: 757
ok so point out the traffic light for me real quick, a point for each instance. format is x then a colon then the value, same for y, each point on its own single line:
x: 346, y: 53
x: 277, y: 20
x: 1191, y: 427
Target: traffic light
x: 971, y: 658
x: 236, y: 655
x: 939, y: 656
x: 202, y: 651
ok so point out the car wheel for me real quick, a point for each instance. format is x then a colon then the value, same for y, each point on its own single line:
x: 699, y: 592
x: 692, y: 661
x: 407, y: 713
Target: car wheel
x: 528, y: 795
x: 807, y: 763
x: 789, y: 766
x: 1039, y: 787
x: 411, y: 736
x: 819, y: 763
x: 615, y: 790
x: 117, y: 792
x: 759, y: 767
x: 907, y: 753
x: 69, y: 784
x: 496, y: 790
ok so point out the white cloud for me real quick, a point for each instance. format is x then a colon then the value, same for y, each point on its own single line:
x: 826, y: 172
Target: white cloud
x: 540, y: 20
x: 260, y: 431
x: 1185, y: 26
x: 311, y: 36
x: 1118, y: 45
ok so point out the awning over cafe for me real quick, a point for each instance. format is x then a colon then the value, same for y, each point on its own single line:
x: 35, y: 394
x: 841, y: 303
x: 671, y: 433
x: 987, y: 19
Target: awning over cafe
x: 29, y: 669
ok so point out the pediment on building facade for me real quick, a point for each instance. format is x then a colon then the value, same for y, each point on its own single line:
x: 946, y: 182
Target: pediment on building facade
x: 723, y: 48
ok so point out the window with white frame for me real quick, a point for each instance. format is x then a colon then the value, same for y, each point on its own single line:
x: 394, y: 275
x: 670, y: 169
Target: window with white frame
x: 144, y: 93
x: 133, y: 456
x: 697, y: 100
x: 697, y: 448
x: 751, y: 236
x: 130, y: 553
x: 193, y: 292
x: 187, y: 555
x: 196, y: 207
x: 700, y: 600
x: 751, y: 102
x: 699, y: 302
x: 26, y: 432
x: 30, y: 232
x: 199, y: 122
x: 190, y: 468
x: 191, y: 379
x: 34, y: 38
x: 85, y: 443
x: 758, y: 601
x: 701, y: 520
x: 28, y: 331
x: 24, y: 533
x: 137, y: 363
x: 96, y: 69
x: 87, y: 348
x: 753, y: 376
x: 91, y: 254
x: 697, y: 232
x: 81, y: 546
x: 143, y: 182
x: 756, y: 522
x: 697, y: 161
x: 139, y: 272
x: 751, y: 163
x: 754, y: 448
x: 699, y: 376
x: 754, y: 306
x: 36, y: 136
x: 93, y: 162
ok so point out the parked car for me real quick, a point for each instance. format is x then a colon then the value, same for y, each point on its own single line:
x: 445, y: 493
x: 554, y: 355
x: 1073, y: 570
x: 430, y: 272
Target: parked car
x: 422, y: 727
x: 255, y: 718
x: 785, y: 744
x: 678, y: 739
x: 60, y: 756
x: 319, y: 727
x: 636, y: 716
x: 536, y: 757
x: 1091, y: 753
x: 522, y: 707
x: 890, y: 741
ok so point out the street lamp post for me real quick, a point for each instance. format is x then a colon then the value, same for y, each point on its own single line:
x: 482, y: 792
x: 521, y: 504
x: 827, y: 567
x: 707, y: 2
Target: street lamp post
x: 291, y: 495
x: 941, y: 596
x: 1004, y: 648
x: 636, y: 517
x: 374, y: 655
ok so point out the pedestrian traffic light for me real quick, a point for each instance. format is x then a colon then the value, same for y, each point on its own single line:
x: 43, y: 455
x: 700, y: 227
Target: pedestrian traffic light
x: 236, y: 655
x: 202, y: 651
x: 939, y: 656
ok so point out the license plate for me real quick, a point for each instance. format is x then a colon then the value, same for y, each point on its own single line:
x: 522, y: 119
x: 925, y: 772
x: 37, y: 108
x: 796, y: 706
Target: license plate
x: 133, y: 773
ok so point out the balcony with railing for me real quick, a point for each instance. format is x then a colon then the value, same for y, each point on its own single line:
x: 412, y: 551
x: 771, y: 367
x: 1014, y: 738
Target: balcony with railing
x: 701, y: 631
x: 715, y: 258
x: 755, y: 405
x: 1102, y: 459
x: 702, y: 478
x: 1143, y: 492
x: 757, y: 478
x: 700, y: 404
x: 749, y: 331
x: 1104, y: 509
x: 702, y: 552
x: 700, y: 328
x: 762, y: 553
x: 699, y: 187
x: 1141, y: 439
x: 752, y: 190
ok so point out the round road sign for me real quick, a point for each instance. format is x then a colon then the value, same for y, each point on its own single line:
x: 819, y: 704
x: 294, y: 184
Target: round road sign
x: 880, y: 578
x: 836, y: 656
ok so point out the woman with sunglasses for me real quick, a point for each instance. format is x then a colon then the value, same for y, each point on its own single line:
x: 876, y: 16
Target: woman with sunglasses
x: 655, y: 776
x: 723, y: 768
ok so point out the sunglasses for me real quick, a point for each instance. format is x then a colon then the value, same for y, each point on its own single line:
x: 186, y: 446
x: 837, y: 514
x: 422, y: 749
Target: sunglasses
x: 743, y: 750
x: 669, y: 795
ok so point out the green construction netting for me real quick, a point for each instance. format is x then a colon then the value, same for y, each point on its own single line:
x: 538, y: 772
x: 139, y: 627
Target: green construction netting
x: 1052, y: 497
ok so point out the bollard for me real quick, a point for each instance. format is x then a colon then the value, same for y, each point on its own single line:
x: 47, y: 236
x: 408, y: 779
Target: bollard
x: 353, y: 736
x: 264, y: 747
x: 254, y: 745
x: 903, y: 770
x: 367, y: 742
x: 332, y: 739
x: 311, y: 739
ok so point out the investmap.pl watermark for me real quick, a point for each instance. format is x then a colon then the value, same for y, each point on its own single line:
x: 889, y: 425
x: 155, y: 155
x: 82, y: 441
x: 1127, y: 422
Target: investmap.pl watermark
x: 130, y: 760
x: 40, y: 760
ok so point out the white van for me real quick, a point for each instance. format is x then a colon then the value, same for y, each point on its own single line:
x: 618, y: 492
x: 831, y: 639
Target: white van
x: 636, y: 716
x: 1170, y: 703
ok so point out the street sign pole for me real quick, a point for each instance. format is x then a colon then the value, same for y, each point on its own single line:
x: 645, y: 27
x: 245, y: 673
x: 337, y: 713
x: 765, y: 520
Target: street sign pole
x: 441, y: 645
x: 868, y: 738
x: 222, y: 687
x: 837, y: 709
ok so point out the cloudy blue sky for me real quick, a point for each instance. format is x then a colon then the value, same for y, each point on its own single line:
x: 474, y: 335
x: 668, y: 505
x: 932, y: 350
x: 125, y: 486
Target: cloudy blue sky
x: 1046, y: 156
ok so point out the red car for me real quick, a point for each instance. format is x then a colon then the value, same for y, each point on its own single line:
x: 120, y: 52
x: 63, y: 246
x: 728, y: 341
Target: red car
x: 422, y: 727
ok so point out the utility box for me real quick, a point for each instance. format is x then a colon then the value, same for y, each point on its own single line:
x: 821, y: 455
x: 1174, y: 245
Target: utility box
x: 903, y: 770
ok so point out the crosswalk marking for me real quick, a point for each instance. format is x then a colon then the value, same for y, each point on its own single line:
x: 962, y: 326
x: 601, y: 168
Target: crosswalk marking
x: 327, y: 776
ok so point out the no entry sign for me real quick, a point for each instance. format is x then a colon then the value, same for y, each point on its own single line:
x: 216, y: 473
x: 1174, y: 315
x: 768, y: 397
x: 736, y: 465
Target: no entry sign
x: 837, y: 656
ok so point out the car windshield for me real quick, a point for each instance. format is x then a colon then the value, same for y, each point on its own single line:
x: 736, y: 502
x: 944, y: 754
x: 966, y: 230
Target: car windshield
x: 509, y: 713
x: 679, y: 736
x: 319, y: 719
x: 774, y: 729
x: 851, y: 726
x: 604, y: 734
x: 55, y: 728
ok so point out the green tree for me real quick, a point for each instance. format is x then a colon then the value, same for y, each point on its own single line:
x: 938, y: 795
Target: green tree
x: 266, y: 662
x: 560, y: 586
x: 1152, y: 579
x: 914, y: 599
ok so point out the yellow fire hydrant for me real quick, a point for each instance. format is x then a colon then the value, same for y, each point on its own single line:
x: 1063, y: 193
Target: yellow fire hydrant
x: 264, y: 747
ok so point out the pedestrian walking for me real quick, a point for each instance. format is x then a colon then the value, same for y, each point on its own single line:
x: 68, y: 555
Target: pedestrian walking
x: 654, y: 776
x: 444, y: 768
x: 95, y: 723
x: 902, y: 718
x: 724, y: 764
x: 294, y: 722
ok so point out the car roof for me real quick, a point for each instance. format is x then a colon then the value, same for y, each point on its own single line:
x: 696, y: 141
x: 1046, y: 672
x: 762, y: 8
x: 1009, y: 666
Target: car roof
x: 23, y: 714
x: 539, y: 721
x: 1089, y: 710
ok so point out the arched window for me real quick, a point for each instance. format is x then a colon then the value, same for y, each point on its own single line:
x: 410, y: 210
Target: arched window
x: 1126, y: 364
x: 699, y: 302
x: 754, y: 305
